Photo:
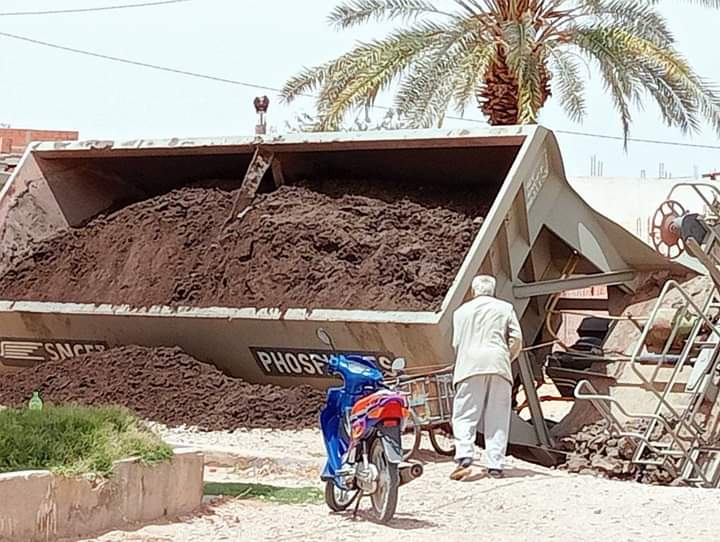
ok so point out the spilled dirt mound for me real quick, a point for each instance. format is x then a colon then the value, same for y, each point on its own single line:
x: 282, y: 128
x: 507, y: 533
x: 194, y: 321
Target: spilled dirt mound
x: 296, y: 247
x: 165, y: 385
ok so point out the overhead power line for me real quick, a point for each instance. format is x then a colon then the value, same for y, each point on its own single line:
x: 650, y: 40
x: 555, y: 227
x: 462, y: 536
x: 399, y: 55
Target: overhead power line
x: 137, y: 63
x: 639, y: 140
x: 89, y: 10
x: 278, y: 90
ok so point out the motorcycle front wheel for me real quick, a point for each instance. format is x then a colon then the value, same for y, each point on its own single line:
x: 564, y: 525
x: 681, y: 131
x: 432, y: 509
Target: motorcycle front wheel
x: 338, y: 499
x: 384, y: 499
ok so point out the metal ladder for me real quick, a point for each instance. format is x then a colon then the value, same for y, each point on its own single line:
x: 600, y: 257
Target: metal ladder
x: 675, y: 437
x: 687, y: 436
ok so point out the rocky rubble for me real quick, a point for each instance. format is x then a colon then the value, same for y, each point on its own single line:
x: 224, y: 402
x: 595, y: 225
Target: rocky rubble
x: 594, y: 450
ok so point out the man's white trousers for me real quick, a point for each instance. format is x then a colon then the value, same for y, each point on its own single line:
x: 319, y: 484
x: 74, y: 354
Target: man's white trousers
x: 482, y: 402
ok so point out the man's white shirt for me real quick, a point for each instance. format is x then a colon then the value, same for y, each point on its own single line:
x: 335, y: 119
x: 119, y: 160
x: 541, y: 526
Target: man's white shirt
x: 486, y: 338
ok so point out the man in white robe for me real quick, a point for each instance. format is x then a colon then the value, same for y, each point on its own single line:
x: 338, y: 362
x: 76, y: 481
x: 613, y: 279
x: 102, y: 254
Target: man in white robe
x: 486, y: 339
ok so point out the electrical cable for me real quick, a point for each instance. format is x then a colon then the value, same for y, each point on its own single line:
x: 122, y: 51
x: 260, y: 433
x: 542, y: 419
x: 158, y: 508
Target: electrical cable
x: 137, y: 63
x: 639, y: 140
x: 278, y: 90
x: 89, y: 10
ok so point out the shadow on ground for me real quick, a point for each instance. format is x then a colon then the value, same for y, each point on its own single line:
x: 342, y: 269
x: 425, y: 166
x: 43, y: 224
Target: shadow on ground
x: 429, y: 456
x: 480, y: 474
x: 405, y: 522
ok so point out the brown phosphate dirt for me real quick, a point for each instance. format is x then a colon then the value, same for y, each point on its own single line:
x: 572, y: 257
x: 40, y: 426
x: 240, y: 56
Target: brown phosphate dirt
x: 311, y: 245
x: 165, y: 385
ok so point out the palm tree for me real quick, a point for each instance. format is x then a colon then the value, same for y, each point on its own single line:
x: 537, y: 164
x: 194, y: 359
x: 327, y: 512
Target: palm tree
x: 510, y: 56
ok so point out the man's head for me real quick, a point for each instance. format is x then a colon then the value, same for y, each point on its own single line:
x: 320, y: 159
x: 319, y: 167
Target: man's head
x: 483, y: 285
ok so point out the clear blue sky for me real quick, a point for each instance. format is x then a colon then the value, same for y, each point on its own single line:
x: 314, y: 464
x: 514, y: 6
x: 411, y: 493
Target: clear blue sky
x: 265, y: 42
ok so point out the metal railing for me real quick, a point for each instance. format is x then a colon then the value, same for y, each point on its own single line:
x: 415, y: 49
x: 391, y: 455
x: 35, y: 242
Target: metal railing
x: 675, y: 435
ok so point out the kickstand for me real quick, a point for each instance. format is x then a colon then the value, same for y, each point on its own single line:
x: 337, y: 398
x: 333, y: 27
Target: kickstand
x: 357, y: 503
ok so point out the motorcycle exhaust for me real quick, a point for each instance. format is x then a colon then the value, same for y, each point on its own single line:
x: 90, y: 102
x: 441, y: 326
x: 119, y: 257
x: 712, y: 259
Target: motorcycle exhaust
x: 410, y: 471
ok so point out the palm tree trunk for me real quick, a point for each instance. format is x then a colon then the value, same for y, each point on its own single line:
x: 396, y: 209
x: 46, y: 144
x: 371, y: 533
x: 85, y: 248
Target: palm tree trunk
x: 498, y: 97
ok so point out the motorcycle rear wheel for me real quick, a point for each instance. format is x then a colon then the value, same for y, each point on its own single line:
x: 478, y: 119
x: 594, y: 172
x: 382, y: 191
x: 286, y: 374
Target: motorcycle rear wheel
x: 338, y: 499
x: 384, y: 499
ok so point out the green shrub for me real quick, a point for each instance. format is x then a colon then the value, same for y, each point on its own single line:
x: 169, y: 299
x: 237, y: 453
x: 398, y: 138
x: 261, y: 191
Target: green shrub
x: 75, y: 440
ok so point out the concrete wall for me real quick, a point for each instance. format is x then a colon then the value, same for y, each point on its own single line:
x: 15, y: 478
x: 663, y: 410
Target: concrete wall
x: 40, y: 506
x: 631, y: 202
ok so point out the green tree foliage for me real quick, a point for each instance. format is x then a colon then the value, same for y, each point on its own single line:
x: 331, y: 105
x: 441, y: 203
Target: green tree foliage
x: 509, y: 57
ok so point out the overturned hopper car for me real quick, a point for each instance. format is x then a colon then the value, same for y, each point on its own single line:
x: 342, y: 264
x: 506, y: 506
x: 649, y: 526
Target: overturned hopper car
x: 532, y: 232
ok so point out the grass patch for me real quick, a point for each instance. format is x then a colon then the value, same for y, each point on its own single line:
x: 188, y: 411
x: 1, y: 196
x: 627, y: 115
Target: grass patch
x: 284, y: 495
x: 75, y: 440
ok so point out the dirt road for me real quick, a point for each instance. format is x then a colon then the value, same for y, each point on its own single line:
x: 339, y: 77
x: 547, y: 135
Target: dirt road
x: 530, y: 504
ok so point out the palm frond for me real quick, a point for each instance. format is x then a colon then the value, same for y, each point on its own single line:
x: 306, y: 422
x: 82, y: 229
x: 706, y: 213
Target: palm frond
x: 426, y: 91
x: 570, y: 85
x: 524, y: 58
x: 661, y: 72
x: 370, y: 68
x: 471, y: 8
x: 636, y: 17
x: 356, y: 12
x: 599, y: 45
x: 470, y: 70
x: 701, y: 3
x: 677, y: 74
x: 306, y: 81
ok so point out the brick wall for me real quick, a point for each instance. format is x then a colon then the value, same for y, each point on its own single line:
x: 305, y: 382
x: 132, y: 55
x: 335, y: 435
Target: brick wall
x: 15, y: 140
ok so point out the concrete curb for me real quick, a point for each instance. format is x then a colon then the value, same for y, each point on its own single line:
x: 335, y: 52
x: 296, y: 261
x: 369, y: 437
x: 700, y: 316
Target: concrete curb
x: 40, y: 506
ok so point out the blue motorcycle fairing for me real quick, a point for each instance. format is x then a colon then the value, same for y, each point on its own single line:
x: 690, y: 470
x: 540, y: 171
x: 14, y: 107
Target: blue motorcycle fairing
x: 359, y: 376
x: 336, y: 439
x: 357, y: 372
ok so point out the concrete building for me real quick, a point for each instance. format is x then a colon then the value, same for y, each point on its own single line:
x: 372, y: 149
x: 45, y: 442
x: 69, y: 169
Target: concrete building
x: 14, y: 141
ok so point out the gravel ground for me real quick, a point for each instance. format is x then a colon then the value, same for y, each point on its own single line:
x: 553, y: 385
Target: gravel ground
x: 305, y: 444
x: 531, y: 503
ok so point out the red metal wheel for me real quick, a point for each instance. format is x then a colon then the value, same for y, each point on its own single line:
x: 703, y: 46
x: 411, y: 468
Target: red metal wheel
x: 664, y: 233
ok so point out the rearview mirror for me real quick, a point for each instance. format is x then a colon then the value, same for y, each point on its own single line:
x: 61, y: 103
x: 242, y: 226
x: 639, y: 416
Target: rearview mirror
x: 398, y: 365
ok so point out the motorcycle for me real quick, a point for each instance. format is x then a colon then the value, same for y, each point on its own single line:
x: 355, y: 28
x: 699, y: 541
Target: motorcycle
x: 361, y: 425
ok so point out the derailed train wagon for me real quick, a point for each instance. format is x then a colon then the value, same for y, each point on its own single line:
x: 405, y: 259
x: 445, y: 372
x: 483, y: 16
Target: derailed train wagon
x: 538, y: 237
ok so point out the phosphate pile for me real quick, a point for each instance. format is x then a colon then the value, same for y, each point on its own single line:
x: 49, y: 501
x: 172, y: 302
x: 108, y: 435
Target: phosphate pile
x: 309, y: 245
x: 594, y: 450
x: 165, y: 385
